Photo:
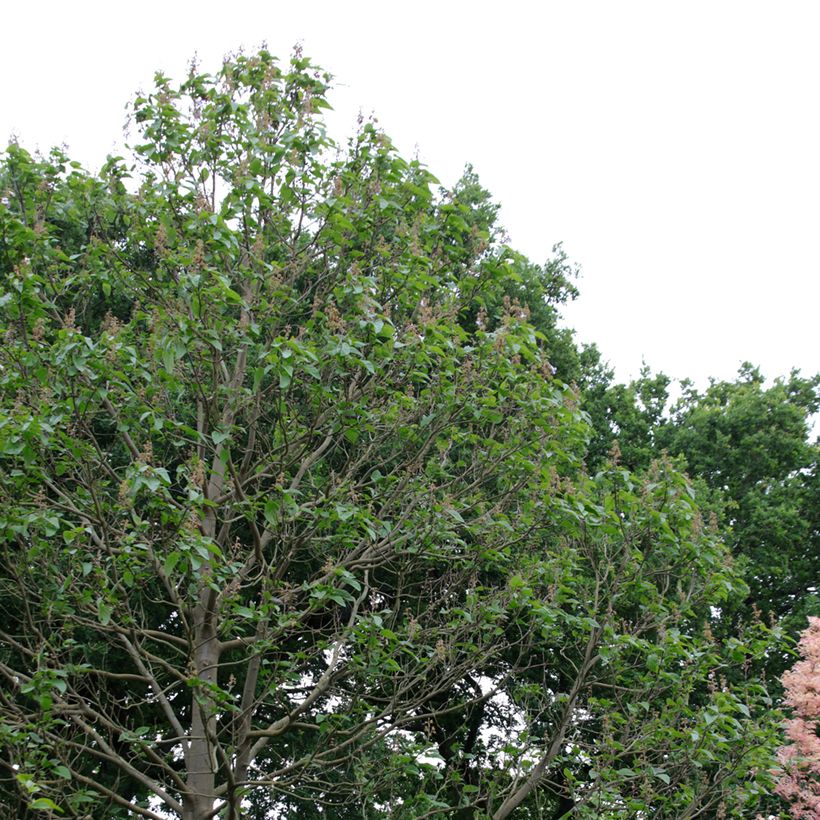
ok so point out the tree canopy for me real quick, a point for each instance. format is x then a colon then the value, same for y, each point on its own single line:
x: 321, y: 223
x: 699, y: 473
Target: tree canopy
x: 301, y: 513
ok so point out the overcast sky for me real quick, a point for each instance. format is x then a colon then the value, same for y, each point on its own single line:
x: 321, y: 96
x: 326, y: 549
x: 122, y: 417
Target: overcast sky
x: 673, y: 147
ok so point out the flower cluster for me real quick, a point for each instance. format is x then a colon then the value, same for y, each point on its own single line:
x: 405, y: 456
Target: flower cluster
x: 799, y: 782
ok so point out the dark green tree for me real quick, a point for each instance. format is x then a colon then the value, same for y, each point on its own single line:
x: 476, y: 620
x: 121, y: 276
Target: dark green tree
x: 750, y: 444
x: 748, y: 447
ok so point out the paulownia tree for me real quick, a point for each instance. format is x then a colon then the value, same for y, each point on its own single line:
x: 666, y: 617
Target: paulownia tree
x: 293, y: 518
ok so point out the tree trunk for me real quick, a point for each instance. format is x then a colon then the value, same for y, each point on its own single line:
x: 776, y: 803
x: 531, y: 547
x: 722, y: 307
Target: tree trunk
x: 198, y: 803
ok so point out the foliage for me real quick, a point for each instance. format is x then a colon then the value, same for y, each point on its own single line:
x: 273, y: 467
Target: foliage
x: 799, y: 782
x: 293, y: 509
x: 750, y: 445
x: 632, y: 414
x: 747, y: 446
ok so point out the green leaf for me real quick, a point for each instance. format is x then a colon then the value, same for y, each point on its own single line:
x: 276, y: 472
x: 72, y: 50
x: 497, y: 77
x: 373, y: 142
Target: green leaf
x: 44, y: 804
x: 171, y: 561
x: 104, y: 611
x: 220, y: 436
x: 345, y: 511
x: 244, y: 612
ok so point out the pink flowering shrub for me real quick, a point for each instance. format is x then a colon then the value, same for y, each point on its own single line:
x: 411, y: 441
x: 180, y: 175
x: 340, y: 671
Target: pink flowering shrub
x: 799, y: 781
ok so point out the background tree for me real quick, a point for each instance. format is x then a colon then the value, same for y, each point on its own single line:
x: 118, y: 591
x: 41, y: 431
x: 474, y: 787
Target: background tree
x: 294, y: 510
x: 748, y: 448
x: 750, y: 445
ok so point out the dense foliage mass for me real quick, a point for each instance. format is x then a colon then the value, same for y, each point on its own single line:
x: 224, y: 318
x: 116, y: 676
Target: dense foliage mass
x: 308, y: 508
x: 747, y: 447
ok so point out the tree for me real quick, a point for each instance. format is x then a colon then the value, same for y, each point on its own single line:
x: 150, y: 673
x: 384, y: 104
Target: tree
x: 750, y: 444
x: 799, y: 782
x: 748, y: 448
x: 293, y: 510
x: 631, y: 414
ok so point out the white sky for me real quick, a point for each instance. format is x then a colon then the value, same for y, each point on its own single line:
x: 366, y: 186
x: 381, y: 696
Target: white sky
x: 674, y: 147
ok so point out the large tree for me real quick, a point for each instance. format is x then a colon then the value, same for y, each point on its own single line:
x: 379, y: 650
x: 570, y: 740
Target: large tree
x: 294, y: 518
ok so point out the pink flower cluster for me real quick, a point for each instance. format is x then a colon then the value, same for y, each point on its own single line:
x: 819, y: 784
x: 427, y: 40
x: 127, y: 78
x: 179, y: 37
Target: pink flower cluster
x: 799, y: 781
